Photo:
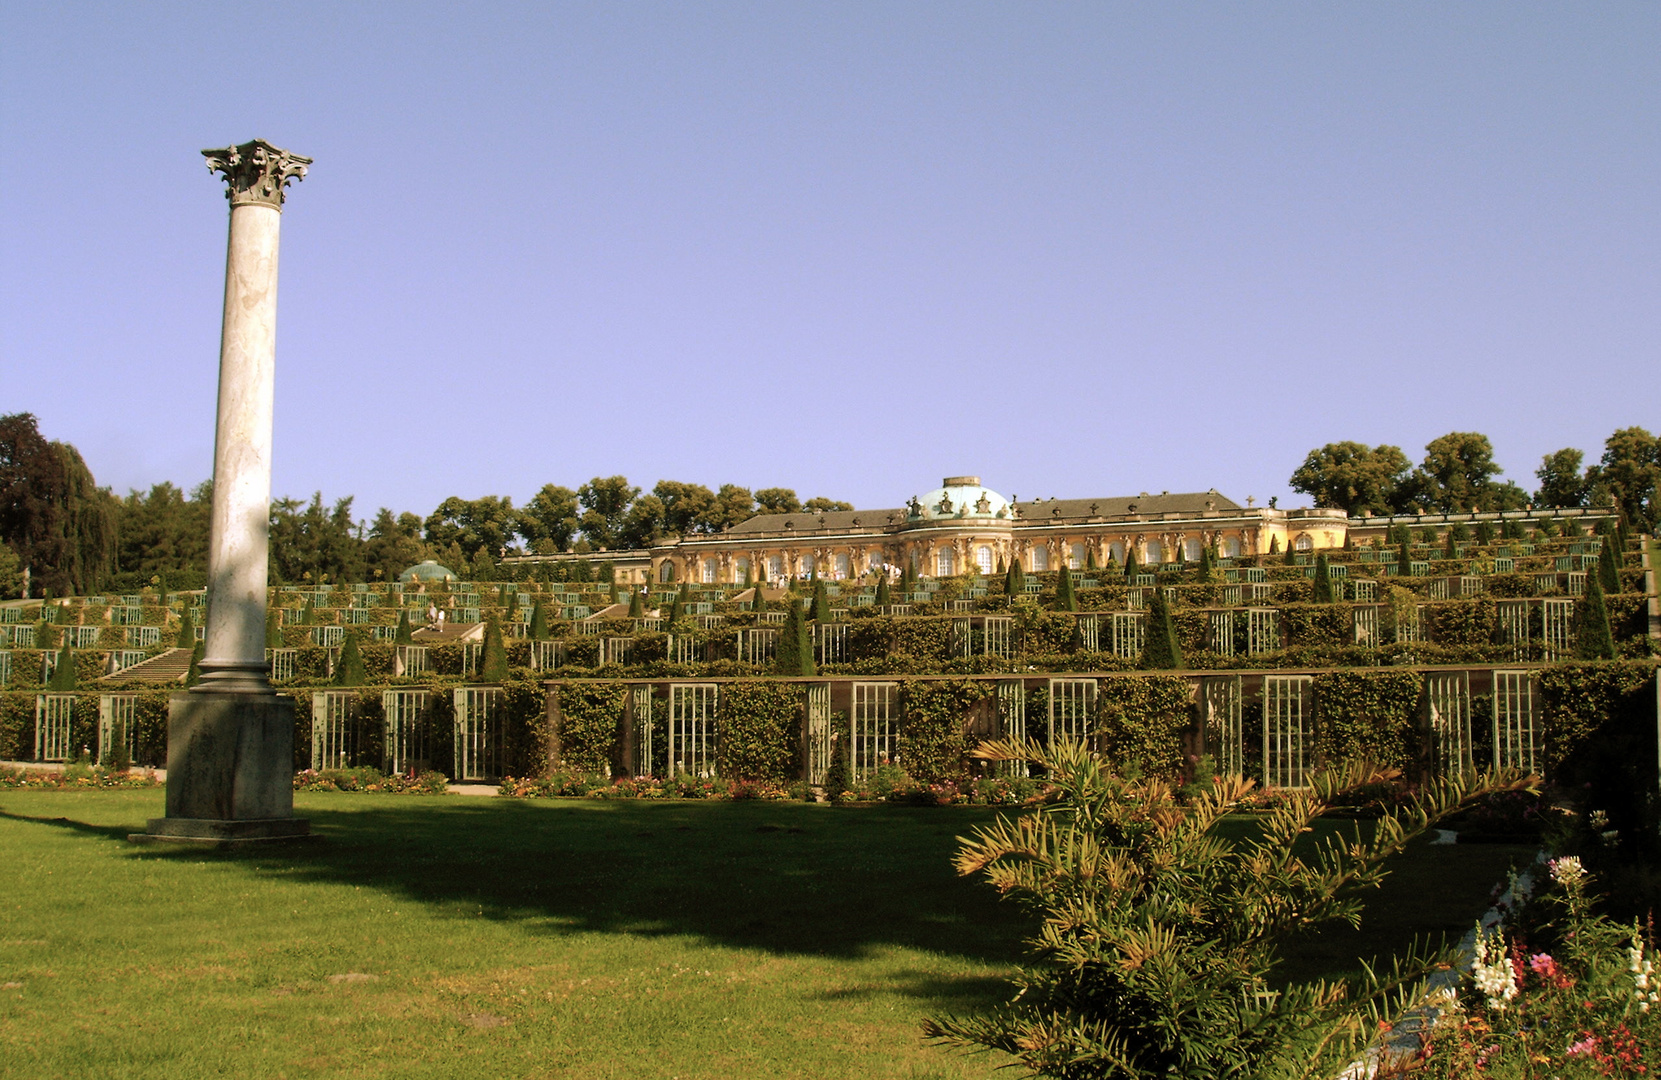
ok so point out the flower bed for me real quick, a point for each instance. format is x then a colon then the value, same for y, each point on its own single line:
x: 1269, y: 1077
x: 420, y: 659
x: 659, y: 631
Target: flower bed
x: 74, y: 777
x: 427, y: 783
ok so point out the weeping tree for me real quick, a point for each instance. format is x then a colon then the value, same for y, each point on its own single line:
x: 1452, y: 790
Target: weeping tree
x: 1161, y: 926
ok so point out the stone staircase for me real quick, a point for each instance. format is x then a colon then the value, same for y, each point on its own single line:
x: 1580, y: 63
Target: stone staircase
x: 169, y: 667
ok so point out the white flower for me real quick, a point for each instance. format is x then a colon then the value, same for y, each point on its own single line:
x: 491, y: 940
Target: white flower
x: 1567, y: 870
x: 1491, y: 970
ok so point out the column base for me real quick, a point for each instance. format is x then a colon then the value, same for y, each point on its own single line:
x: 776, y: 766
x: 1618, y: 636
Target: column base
x: 215, y: 833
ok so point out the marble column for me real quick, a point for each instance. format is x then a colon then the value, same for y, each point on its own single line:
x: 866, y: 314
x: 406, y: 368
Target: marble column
x: 230, y: 743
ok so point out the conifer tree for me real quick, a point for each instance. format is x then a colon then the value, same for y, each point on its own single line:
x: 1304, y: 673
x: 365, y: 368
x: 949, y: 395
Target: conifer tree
x: 187, y: 631
x: 46, y: 635
x: 1011, y: 582
x: 1323, y: 583
x: 63, y: 675
x: 273, y: 630
x: 405, y: 635
x: 1274, y: 545
x: 193, y: 674
x: 1609, y: 567
x: 1161, y: 650
x: 795, y: 651
x: 883, y: 598
x: 1090, y: 556
x: 677, y: 607
x: 349, y: 668
x: 1595, y: 640
x: 1065, y: 600
x: 836, y: 777
x: 1205, y: 563
x: 1291, y: 558
x: 637, y: 604
x: 821, y: 602
x: 1132, y: 566
x: 1406, y: 559
x: 493, y: 661
x: 1002, y: 569
x: 1485, y: 532
x: 758, y: 602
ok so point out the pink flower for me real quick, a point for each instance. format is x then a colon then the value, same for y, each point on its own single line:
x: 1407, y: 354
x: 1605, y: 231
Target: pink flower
x: 1543, y: 965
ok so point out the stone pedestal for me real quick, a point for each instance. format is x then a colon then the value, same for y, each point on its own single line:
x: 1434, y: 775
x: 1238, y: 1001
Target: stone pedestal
x: 230, y: 771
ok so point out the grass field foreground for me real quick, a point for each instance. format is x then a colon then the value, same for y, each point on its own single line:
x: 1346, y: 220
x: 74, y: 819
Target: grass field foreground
x: 488, y: 937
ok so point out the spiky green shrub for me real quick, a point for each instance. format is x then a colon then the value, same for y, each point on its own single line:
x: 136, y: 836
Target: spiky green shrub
x: 1159, y: 933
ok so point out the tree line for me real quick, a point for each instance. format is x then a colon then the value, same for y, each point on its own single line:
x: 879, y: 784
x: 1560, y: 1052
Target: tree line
x: 74, y: 537
x: 1458, y: 474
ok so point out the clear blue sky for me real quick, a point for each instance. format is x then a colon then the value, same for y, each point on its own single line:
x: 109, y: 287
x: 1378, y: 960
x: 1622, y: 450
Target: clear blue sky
x: 1079, y: 249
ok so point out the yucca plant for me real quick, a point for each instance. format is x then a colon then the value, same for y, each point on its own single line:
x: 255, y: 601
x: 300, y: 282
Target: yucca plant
x: 1159, y: 933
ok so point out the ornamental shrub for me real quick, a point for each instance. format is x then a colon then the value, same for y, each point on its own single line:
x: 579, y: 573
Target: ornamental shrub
x: 821, y: 602
x: 493, y: 661
x: 1065, y: 600
x: 1205, y: 562
x: 63, y: 675
x: 1160, y: 932
x: 193, y: 674
x: 637, y: 604
x: 1323, y: 582
x: 882, y: 591
x: 1594, y: 640
x: 1609, y: 567
x: 349, y: 668
x: 273, y: 631
x: 1161, y: 650
x: 1132, y: 568
x: 760, y: 727
x: 187, y: 630
x: 677, y: 607
x: 795, y: 651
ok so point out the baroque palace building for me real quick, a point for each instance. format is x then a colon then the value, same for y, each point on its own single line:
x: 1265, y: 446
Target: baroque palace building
x: 964, y: 525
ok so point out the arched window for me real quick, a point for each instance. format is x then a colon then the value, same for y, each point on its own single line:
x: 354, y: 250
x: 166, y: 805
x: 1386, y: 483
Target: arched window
x: 665, y: 571
x: 1191, y: 550
x: 1040, y: 559
x: 741, y: 570
x: 983, y: 559
x: 1155, y: 553
x: 1116, y: 551
x: 1075, y: 557
x: 1305, y: 542
x: 1231, y: 548
x: 710, y: 567
x: 804, y: 565
x: 844, y: 567
x: 945, y: 563
x: 775, y: 567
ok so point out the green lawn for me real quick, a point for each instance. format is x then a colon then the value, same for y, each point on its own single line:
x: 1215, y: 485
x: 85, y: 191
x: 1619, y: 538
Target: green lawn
x: 463, y: 937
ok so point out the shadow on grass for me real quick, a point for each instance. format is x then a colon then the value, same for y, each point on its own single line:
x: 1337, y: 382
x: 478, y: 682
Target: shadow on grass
x: 781, y: 877
x: 108, y: 832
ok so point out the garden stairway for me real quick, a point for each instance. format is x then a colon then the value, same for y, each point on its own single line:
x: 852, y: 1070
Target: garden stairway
x: 169, y: 667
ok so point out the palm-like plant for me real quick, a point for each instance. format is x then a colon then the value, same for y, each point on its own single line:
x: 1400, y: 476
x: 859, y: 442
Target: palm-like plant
x: 1159, y: 931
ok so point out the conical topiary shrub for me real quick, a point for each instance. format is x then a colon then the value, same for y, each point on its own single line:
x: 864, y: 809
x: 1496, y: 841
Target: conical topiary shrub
x: 821, y: 602
x: 349, y: 668
x: 1132, y: 567
x: 1595, y: 640
x: 795, y: 652
x: 1205, y: 562
x: 1161, y: 650
x: 187, y: 631
x: 539, y: 621
x: 1323, y: 583
x: 883, y: 596
x: 677, y: 607
x: 63, y: 674
x: 1609, y: 567
x: 1065, y: 600
x: 493, y: 661
x: 193, y: 674
x: 637, y: 604
x: 273, y: 630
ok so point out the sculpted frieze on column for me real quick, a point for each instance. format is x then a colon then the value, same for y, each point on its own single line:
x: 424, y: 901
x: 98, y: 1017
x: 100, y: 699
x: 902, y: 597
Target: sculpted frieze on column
x: 257, y: 172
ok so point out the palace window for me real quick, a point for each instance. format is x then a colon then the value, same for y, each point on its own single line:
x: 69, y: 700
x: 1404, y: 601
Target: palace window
x: 740, y: 568
x: 1040, y: 559
x: 1192, y: 550
x: 710, y: 567
x: 844, y: 567
x: 945, y: 563
x: 775, y: 566
x: 983, y: 559
x: 1231, y: 548
x: 804, y: 565
x: 1155, y: 553
x: 1117, y: 551
x: 1075, y: 557
x: 1304, y: 543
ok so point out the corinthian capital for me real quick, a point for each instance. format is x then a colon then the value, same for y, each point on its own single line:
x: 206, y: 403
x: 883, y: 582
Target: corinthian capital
x: 257, y: 172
